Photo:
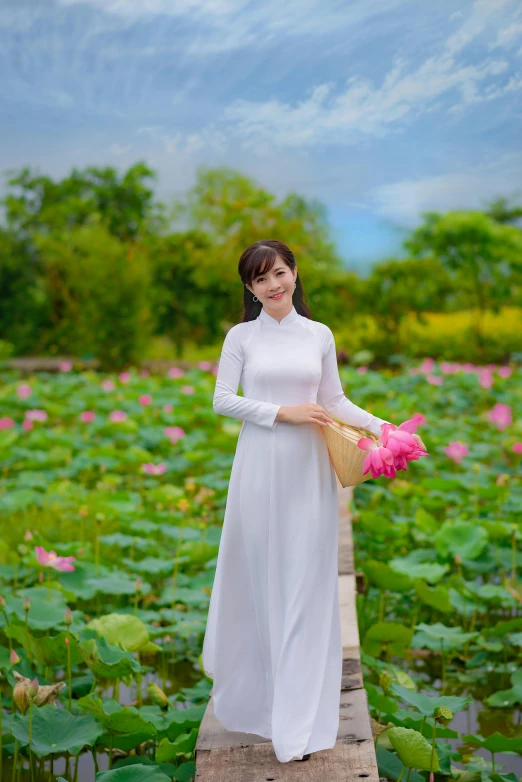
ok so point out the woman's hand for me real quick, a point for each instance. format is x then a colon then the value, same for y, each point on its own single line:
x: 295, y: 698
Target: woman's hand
x: 309, y: 413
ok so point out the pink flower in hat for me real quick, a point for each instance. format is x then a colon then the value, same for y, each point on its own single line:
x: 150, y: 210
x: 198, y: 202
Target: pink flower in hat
x: 393, y: 450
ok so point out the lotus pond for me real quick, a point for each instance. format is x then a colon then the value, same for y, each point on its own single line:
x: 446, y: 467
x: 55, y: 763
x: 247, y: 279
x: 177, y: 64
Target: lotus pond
x: 113, y: 490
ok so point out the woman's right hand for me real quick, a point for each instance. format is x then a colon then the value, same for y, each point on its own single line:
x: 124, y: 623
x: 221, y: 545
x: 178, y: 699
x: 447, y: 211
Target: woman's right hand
x: 309, y: 413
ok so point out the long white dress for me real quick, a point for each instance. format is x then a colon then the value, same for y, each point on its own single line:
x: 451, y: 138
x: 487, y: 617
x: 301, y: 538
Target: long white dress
x: 273, y: 638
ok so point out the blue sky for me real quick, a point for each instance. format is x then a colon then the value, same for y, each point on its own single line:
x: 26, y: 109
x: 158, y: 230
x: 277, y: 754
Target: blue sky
x: 381, y: 109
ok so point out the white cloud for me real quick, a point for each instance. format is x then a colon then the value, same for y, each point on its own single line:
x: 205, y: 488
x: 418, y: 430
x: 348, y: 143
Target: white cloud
x: 469, y: 189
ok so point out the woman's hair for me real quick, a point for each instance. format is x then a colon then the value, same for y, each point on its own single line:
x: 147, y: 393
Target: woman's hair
x: 259, y: 259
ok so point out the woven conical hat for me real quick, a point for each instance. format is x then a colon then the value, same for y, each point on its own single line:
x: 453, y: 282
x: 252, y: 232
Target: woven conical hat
x: 347, y: 458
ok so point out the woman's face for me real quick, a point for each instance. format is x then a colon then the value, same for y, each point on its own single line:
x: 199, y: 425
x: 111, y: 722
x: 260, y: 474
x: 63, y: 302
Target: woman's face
x: 279, y: 280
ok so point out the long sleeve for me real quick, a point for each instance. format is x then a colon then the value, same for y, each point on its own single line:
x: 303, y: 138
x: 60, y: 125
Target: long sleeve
x: 226, y: 400
x: 332, y: 396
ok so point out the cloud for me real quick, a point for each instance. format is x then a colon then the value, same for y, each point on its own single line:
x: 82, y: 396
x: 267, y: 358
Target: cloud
x: 469, y: 189
x: 362, y: 108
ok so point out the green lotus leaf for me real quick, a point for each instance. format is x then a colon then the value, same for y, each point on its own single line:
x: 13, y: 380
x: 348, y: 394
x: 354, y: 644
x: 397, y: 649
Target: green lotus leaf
x: 116, y: 718
x: 507, y: 698
x: 382, y: 575
x: 183, y: 745
x: 466, y: 539
x: 390, y: 767
x: 107, y: 661
x: 439, y: 637
x: 118, y: 583
x: 140, y: 772
x: 429, y: 571
x: 436, y: 597
x: 56, y: 730
x: 47, y: 607
x: 494, y: 743
x: 49, y: 650
x: 392, y: 635
x: 125, y: 630
x: 153, y: 566
x: 413, y: 749
x: 427, y: 704
x: 425, y: 521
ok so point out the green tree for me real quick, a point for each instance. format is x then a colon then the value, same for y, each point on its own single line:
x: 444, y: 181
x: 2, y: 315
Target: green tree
x: 482, y: 256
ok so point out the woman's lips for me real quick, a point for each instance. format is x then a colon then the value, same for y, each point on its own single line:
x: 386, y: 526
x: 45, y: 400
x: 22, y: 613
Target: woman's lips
x: 278, y: 296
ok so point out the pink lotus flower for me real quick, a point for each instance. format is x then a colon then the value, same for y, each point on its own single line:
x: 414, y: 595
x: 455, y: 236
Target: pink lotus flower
x: 28, y: 535
x: 427, y: 365
x: 206, y: 365
x: 65, y: 366
x: 435, y: 380
x: 517, y: 447
x: 420, y: 418
x: 175, y: 372
x: 145, y: 399
x: 117, y: 415
x: 51, y: 559
x: 6, y: 423
x: 393, y: 450
x: 154, y: 469
x: 35, y: 415
x: 144, y: 372
x: 24, y: 390
x: 456, y: 450
x: 500, y: 415
x: 87, y: 416
x: 187, y: 389
x: 13, y: 657
x: 485, y: 378
x: 362, y: 370
x: 108, y: 385
x: 168, y: 408
x: 174, y: 433
x: 125, y: 377
x: 215, y: 369
x: 504, y: 371
x: 27, y: 425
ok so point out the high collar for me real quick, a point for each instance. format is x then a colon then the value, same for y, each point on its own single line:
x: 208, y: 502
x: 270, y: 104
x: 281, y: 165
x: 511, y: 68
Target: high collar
x: 264, y: 317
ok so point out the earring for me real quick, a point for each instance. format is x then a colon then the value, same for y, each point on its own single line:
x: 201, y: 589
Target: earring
x: 255, y: 298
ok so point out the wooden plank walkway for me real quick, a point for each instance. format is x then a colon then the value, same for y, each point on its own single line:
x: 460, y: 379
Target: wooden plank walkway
x: 229, y: 756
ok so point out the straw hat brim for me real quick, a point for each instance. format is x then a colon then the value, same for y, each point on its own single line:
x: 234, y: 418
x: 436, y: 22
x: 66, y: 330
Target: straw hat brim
x: 347, y: 458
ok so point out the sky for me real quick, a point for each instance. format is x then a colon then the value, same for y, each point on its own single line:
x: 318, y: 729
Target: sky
x: 380, y: 109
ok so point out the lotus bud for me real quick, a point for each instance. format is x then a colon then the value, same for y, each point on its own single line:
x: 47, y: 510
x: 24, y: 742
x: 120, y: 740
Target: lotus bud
x: 157, y: 695
x: 502, y: 479
x: 28, y: 535
x: 66, y: 641
x: 443, y: 715
x: 2, y: 601
x: 458, y: 559
x: 386, y: 679
x: 21, y: 697
x: 138, y: 584
x: 26, y: 604
x: 13, y: 657
x: 68, y: 618
x: 32, y: 690
x: 477, y: 467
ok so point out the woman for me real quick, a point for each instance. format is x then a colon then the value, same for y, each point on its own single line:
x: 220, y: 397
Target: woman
x: 273, y: 638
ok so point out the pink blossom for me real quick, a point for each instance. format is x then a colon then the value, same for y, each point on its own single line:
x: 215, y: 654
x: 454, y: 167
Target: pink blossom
x: 206, y: 365
x: 427, y: 365
x: 28, y: 535
x: 145, y: 399
x: 435, y: 380
x: 117, y: 415
x: 36, y: 415
x: 168, y: 408
x: 393, y: 450
x: 362, y: 370
x: 51, y: 559
x: 420, y: 418
x: 108, y: 385
x: 215, y: 369
x: 187, y: 389
x: 154, y: 469
x: 485, y: 377
x: 456, y: 450
x: 125, y: 377
x: 174, y: 433
x: 500, y: 415
x: 87, y: 416
x: 6, y: 423
x: 13, y: 658
x: 65, y: 366
x: 449, y: 368
x: 27, y: 425
x: 504, y: 371
x: 144, y: 372
x: 517, y: 447
x: 24, y: 390
x: 175, y: 372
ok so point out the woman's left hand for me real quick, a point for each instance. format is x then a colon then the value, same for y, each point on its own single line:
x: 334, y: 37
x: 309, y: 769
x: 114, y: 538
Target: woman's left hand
x: 419, y: 442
